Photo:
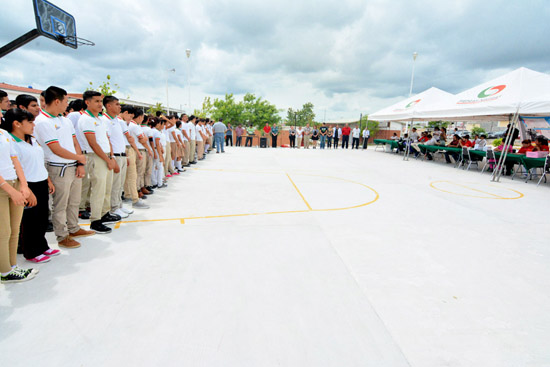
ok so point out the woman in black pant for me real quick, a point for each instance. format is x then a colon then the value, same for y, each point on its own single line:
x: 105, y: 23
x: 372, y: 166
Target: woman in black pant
x: 292, y: 137
x: 229, y: 135
x: 274, y: 135
x: 19, y: 123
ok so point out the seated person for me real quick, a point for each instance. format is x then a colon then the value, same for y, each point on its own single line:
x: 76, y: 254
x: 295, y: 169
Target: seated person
x: 507, y: 165
x: 401, y: 143
x: 431, y: 141
x: 424, y: 138
x: 454, y: 143
x: 480, y: 143
x: 526, y: 146
x: 465, y: 142
x: 541, y: 145
x: 394, y: 137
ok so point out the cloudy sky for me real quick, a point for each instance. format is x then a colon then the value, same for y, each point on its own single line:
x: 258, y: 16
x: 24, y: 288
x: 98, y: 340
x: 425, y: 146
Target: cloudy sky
x: 346, y: 57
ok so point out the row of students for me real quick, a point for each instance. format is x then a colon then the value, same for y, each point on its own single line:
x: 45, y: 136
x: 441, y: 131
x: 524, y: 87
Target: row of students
x: 99, y: 154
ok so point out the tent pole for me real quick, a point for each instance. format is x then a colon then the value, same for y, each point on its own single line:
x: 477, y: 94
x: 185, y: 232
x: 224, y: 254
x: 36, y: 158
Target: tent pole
x: 407, y: 152
x: 507, y: 142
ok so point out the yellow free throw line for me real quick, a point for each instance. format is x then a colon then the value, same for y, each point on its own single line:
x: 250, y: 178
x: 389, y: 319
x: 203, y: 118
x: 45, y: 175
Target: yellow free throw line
x: 299, y: 193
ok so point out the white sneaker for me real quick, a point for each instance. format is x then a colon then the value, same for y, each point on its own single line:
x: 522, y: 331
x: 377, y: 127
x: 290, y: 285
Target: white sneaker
x: 121, y: 213
x: 140, y: 204
x: 126, y: 210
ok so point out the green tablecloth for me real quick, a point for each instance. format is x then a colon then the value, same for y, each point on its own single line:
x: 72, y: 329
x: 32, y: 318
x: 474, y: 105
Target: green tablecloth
x: 392, y: 143
x: 533, y: 162
x: 435, y: 148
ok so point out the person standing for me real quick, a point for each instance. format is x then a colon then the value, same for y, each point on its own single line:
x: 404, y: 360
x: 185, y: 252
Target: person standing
x: 267, y: 131
x: 250, y: 135
x: 299, y: 135
x: 102, y: 162
x: 292, y: 137
x: 136, y: 157
x: 274, y: 135
x: 307, y: 136
x: 355, y: 134
x: 14, y: 194
x: 229, y: 135
x: 345, y: 136
x: 192, y: 140
x: 201, y: 138
x: 239, y: 135
x: 366, y: 136
x: 65, y: 165
x: 323, y: 131
x: 116, y: 132
x: 329, y: 137
x: 337, y: 133
x: 32, y: 240
x: 219, y: 129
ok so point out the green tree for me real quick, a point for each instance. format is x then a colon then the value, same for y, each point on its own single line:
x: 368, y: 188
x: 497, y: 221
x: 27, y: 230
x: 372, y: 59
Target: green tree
x: 258, y: 111
x: 227, y: 109
x: 105, y: 88
x: 478, y: 131
x: 206, y: 109
x: 157, y: 107
x: 439, y: 123
x: 373, y: 126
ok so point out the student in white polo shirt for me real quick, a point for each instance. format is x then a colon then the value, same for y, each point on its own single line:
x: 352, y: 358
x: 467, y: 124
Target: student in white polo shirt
x: 180, y: 146
x: 158, y: 137
x: 65, y: 165
x: 147, y: 185
x: 192, y: 140
x: 136, y: 157
x: 116, y: 136
x: 14, y: 194
x: 102, y: 163
x: 32, y: 240
x: 186, y: 131
x: 201, y: 138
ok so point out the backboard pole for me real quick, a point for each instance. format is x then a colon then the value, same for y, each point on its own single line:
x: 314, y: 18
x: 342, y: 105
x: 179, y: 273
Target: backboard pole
x: 21, y: 41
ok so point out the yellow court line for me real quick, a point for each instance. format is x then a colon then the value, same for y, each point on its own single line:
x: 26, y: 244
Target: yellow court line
x: 299, y: 193
x: 310, y: 209
x: 496, y: 197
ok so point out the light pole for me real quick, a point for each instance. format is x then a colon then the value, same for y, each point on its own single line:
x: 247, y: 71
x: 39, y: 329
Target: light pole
x: 167, y: 100
x: 415, y: 54
x: 188, y: 53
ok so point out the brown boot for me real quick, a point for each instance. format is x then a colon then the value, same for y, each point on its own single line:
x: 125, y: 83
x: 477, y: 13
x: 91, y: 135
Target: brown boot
x: 81, y: 233
x: 140, y: 194
x: 68, y: 242
x: 144, y: 191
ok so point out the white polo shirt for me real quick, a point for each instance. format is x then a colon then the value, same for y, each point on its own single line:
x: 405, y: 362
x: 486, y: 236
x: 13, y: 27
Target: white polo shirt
x: 366, y: 133
x: 32, y: 159
x: 74, y: 117
x: 50, y: 129
x: 136, y: 132
x: 156, y: 135
x: 355, y: 133
x: 7, y: 151
x: 169, y: 133
x: 178, y: 133
x: 192, y: 131
x: 88, y: 124
x: 148, y: 132
x: 186, y: 126
x: 116, y: 133
x: 125, y: 131
x: 198, y: 129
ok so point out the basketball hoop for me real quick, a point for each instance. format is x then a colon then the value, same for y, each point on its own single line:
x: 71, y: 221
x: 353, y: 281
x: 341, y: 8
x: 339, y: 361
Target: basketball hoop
x: 79, y: 41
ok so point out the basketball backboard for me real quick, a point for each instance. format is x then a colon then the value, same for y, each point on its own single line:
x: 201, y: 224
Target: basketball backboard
x: 55, y: 23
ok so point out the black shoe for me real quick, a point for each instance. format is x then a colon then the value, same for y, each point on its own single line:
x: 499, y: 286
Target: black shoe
x: 194, y: 162
x: 99, y: 227
x: 50, y: 227
x: 84, y: 214
x: 110, y: 218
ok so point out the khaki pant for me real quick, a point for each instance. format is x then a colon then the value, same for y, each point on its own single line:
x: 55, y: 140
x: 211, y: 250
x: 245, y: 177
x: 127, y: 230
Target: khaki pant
x: 101, y: 178
x: 167, y: 159
x: 210, y: 142
x: 306, y: 141
x: 10, y: 221
x: 186, y: 152
x: 65, y: 201
x: 173, y: 150
x: 148, y: 171
x: 192, y: 150
x: 140, y: 166
x: 299, y: 143
x: 85, y: 191
x: 130, y: 186
x: 118, y: 183
x: 200, y: 149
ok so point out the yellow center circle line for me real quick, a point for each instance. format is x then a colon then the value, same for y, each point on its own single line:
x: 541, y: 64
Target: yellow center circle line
x: 495, y: 197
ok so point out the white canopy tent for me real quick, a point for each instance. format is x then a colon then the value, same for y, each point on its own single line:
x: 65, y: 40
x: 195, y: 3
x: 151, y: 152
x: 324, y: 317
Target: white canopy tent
x: 406, y: 110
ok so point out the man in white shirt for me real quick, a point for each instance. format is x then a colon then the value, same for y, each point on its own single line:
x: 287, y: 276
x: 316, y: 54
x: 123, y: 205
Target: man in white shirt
x: 65, y: 164
x: 136, y: 157
x: 355, y: 135
x: 186, y: 132
x: 201, y: 138
x: 299, y: 135
x: 414, y: 135
x: 102, y: 162
x: 118, y: 143
x: 366, y: 136
x: 192, y: 140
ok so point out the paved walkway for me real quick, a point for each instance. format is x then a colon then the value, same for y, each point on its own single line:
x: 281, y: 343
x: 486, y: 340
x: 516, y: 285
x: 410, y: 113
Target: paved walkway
x: 278, y: 257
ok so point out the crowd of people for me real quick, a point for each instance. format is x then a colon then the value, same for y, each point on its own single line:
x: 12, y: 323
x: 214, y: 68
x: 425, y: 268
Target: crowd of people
x: 60, y: 162
x: 323, y: 136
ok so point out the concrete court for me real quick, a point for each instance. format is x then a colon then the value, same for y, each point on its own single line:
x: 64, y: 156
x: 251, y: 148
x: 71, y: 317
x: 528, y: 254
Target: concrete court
x: 363, y: 260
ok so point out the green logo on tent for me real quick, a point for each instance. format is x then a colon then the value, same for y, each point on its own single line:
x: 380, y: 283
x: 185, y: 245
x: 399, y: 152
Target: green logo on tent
x: 412, y: 103
x: 491, y: 91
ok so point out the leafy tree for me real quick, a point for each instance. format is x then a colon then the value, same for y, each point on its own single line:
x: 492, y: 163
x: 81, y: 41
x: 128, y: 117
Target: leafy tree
x: 373, y: 126
x: 105, y: 88
x: 303, y: 116
x: 157, y: 107
x: 478, y: 131
x: 206, y: 109
x: 227, y: 109
x: 439, y: 123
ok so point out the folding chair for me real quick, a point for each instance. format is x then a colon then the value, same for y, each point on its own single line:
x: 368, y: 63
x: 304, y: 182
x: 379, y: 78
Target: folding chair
x: 545, y: 170
x: 489, y: 156
x: 466, y: 155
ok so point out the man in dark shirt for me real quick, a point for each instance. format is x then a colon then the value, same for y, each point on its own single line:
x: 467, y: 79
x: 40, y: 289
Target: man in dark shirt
x: 323, y: 134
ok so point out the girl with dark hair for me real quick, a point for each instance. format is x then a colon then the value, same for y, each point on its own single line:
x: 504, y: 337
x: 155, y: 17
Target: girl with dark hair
x: 14, y: 194
x: 32, y: 240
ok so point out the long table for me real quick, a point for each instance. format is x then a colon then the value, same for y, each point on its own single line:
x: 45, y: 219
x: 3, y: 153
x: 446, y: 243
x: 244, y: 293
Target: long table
x: 392, y: 143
